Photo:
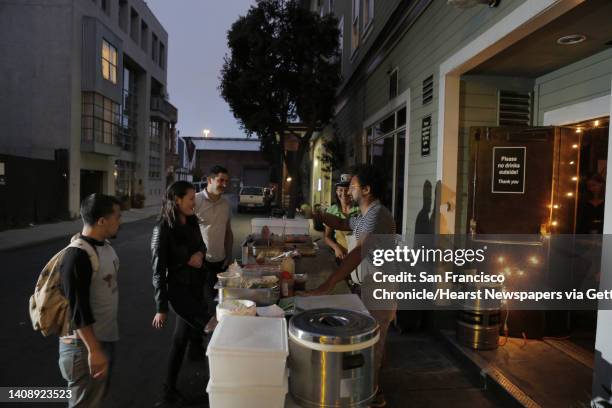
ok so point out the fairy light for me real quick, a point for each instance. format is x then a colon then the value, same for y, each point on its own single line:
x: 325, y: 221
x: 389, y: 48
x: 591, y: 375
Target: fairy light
x: 554, y: 223
x: 570, y: 194
x: 574, y: 178
x: 574, y: 146
x: 534, y: 260
x: 578, y: 130
x: 572, y: 163
x: 556, y: 206
x: 596, y: 123
x: 500, y: 259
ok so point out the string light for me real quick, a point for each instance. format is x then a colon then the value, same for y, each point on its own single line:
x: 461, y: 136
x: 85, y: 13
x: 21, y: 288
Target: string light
x: 572, y: 163
x: 500, y: 259
x: 596, y: 123
x: 578, y: 130
x: 574, y: 178
x: 556, y: 206
x: 554, y: 223
x: 574, y: 146
x: 570, y: 194
x: 534, y: 259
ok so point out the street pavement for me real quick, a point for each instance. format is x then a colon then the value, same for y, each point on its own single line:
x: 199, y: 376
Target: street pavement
x: 420, y: 372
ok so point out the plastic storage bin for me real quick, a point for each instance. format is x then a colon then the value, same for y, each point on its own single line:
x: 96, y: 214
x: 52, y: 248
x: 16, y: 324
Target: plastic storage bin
x: 248, y: 351
x: 228, y: 396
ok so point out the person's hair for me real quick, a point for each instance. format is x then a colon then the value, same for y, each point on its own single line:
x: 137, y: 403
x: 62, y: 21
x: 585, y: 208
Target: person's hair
x: 169, y: 209
x: 215, y: 170
x: 368, y: 175
x: 96, y: 206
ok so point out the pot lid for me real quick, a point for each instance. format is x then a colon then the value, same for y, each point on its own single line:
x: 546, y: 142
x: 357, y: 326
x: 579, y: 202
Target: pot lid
x: 333, y: 326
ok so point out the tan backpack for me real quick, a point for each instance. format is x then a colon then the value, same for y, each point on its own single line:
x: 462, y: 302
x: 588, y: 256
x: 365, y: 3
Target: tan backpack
x: 49, y: 308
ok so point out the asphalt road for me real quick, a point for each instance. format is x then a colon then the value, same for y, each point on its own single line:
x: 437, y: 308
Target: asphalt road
x: 29, y: 359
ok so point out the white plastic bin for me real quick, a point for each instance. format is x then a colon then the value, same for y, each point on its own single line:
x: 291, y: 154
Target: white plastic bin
x: 248, y: 351
x: 228, y: 396
x: 296, y: 226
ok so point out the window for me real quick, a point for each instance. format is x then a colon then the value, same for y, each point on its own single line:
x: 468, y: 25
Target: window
x: 144, y: 36
x: 99, y: 119
x: 368, y: 15
x: 155, y: 142
x: 393, y: 84
x: 162, y: 55
x: 123, y: 15
x: 129, y: 107
x: 355, y: 26
x: 109, y: 62
x: 154, y: 47
x: 154, y: 168
x: 105, y: 5
x: 134, y: 25
x: 386, y: 145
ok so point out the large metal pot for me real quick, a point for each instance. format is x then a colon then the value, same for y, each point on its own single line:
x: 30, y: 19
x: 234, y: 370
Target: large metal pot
x: 331, y: 358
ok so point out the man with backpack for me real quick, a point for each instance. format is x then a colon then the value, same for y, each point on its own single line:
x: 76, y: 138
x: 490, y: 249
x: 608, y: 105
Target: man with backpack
x: 76, y: 297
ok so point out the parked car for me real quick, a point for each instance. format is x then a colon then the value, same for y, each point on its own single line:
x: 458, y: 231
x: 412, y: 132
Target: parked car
x: 252, y: 198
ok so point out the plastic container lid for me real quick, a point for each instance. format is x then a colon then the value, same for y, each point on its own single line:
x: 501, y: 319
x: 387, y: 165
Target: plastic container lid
x: 250, y: 335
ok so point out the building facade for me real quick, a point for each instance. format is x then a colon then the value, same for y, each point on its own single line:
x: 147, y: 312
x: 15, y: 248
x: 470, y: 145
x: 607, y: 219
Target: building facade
x: 86, y: 96
x: 423, y: 79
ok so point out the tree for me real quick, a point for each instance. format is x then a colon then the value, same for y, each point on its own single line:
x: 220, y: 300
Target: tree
x: 283, y: 68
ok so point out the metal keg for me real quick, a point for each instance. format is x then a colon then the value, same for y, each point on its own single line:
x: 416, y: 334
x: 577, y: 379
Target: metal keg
x: 479, y: 321
x: 331, y: 358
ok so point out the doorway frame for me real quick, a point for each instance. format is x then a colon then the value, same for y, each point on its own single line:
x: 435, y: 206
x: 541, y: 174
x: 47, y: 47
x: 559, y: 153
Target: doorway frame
x: 518, y: 24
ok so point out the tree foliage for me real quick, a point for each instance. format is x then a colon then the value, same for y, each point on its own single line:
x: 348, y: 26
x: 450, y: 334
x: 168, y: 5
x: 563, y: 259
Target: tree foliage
x: 283, y: 68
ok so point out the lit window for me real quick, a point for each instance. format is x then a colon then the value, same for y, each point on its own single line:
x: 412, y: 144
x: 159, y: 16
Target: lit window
x: 109, y: 62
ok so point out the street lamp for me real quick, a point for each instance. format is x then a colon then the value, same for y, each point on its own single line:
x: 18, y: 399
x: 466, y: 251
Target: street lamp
x: 206, y: 132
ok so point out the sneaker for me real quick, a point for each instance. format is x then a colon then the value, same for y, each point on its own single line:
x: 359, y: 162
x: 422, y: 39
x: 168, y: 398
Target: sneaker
x: 379, y: 401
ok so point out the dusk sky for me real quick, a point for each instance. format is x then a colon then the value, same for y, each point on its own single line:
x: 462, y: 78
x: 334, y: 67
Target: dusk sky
x: 197, y: 43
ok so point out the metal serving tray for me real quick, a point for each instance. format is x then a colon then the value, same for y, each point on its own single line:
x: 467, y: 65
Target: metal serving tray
x: 262, y: 297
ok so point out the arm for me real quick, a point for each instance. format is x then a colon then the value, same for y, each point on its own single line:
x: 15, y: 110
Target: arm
x: 76, y: 274
x: 349, y: 263
x: 159, y: 259
x: 329, y: 240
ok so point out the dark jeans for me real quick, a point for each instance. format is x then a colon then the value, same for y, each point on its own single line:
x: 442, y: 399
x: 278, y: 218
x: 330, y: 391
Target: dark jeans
x: 191, y: 310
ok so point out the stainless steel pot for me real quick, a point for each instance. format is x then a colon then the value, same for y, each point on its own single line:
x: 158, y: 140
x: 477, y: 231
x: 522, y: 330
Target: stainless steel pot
x: 331, y: 358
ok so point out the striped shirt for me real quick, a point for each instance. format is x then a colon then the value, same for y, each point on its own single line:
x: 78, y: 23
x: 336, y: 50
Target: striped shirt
x: 376, y: 220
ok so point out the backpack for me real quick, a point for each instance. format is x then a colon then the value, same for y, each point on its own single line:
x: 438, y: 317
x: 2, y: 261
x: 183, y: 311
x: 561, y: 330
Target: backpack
x: 49, y: 309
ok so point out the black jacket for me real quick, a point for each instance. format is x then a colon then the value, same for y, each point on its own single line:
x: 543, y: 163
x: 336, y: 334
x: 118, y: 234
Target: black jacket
x: 171, y: 249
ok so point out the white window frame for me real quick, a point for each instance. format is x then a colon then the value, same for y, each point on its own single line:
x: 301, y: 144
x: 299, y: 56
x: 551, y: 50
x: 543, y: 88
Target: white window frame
x: 368, y: 11
x: 355, y: 29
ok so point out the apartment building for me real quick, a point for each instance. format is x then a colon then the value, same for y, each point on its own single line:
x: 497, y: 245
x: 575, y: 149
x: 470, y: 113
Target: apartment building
x: 433, y: 90
x: 85, y: 104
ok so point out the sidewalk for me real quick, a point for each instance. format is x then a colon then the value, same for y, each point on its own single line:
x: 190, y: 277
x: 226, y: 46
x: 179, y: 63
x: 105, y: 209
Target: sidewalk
x: 38, y: 234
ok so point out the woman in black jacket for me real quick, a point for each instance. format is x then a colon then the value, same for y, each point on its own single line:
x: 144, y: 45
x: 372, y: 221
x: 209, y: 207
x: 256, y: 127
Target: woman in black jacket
x: 178, y: 253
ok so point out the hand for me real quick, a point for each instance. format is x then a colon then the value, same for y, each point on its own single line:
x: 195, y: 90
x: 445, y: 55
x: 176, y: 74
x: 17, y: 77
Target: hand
x: 196, y: 260
x: 98, y: 364
x: 159, y: 321
x: 340, y: 252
